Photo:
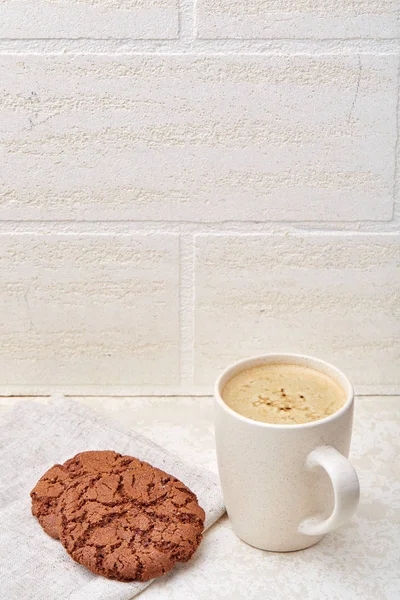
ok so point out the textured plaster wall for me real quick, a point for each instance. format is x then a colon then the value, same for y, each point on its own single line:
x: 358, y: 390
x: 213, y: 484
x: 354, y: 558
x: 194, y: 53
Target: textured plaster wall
x: 184, y: 184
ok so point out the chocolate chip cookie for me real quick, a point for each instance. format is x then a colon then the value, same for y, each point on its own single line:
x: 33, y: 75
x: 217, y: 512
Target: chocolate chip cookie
x: 47, y: 492
x: 132, y: 524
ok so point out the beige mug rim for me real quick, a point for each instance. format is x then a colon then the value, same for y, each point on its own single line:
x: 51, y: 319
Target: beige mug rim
x: 288, y: 358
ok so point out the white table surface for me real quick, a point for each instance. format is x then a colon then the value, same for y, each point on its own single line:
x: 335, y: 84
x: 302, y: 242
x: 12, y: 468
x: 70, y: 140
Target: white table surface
x: 360, y: 561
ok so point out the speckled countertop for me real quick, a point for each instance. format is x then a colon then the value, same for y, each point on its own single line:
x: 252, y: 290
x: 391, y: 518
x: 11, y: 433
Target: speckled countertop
x: 360, y: 561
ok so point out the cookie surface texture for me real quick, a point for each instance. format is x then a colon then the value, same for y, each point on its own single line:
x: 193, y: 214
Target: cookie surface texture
x: 47, y: 492
x: 131, y: 525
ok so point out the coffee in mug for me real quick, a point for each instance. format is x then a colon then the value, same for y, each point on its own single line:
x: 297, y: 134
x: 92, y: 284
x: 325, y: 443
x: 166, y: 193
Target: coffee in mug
x: 283, y: 393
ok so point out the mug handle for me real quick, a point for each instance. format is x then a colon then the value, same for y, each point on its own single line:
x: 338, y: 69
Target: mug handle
x: 345, y: 485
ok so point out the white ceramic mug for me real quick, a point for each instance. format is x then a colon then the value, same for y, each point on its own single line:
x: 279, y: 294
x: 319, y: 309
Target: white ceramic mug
x: 285, y: 486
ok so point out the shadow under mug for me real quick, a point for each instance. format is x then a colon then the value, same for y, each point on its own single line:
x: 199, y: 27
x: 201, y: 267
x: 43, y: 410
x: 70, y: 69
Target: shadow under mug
x: 285, y: 486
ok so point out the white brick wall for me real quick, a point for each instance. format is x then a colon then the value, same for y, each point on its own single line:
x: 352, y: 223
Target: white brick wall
x: 334, y: 296
x: 298, y: 18
x: 141, y: 19
x: 186, y: 184
x: 83, y: 311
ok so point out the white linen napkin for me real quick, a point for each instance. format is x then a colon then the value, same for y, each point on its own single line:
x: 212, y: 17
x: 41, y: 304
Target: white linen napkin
x: 33, y: 437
